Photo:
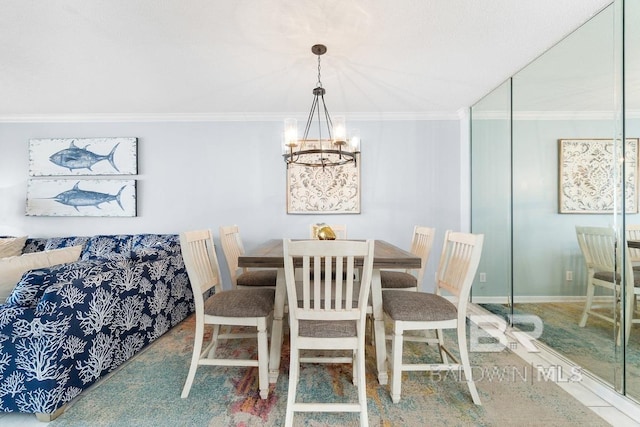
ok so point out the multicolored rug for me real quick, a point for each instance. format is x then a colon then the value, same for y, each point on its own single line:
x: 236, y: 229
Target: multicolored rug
x: 146, y: 392
x: 591, y: 347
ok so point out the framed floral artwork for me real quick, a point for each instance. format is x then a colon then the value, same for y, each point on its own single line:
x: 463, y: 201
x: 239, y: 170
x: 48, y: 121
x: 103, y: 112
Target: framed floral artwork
x: 587, y: 173
x: 329, y: 190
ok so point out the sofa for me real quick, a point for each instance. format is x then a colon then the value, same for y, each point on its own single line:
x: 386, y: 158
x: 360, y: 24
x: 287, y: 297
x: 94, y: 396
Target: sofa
x: 64, y: 327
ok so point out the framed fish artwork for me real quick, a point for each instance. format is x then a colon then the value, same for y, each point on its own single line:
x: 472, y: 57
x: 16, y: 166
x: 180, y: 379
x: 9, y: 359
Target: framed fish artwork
x: 81, y: 197
x: 83, y: 156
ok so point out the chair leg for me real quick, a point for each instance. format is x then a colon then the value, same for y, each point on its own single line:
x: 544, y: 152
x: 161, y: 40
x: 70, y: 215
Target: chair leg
x: 466, y: 366
x: 294, y: 368
x: 396, y: 363
x: 587, y: 305
x: 628, y: 320
x: 197, y: 348
x: 355, y: 367
x: 362, y: 385
x: 214, y: 341
x: 443, y: 354
x: 263, y: 359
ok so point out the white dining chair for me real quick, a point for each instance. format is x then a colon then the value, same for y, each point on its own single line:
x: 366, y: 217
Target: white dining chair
x: 232, y: 248
x: 411, y: 279
x: 217, y: 307
x: 601, y: 254
x: 327, y: 314
x: 633, y: 233
x: 418, y: 311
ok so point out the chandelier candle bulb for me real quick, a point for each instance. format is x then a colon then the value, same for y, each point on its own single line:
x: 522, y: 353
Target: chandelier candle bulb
x: 290, y: 132
x: 339, y: 129
x: 354, y: 139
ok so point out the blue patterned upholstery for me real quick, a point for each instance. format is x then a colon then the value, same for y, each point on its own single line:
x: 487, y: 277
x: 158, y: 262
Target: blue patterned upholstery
x: 64, y: 327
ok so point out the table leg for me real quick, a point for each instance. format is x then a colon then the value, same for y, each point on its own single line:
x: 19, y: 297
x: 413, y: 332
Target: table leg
x: 276, y: 328
x: 378, y: 324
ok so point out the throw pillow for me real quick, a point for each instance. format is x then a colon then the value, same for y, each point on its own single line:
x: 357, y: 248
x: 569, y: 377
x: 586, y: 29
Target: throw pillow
x: 12, y: 268
x: 11, y: 246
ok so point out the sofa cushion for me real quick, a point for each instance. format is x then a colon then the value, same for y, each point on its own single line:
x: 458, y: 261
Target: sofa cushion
x: 12, y: 268
x: 34, y: 244
x: 64, y: 242
x: 11, y: 246
x: 109, y: 247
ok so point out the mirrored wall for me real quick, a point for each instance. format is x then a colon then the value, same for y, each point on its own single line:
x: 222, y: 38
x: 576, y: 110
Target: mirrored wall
x: 549, y: 164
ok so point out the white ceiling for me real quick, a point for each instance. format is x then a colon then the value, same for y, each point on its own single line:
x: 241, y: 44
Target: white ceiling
x: 210, y: 58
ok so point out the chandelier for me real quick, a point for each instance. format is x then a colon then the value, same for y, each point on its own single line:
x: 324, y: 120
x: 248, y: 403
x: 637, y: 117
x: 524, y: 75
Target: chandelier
x: 331, y: 148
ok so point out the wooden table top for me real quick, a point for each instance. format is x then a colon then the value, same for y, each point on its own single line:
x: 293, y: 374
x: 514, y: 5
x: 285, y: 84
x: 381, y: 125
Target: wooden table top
x: 385, y: 255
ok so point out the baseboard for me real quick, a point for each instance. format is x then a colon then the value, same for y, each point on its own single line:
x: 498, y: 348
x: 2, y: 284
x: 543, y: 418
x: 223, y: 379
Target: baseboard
x: 525, y: 299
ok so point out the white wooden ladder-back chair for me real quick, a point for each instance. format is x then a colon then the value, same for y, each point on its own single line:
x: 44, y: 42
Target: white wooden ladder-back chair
x: 327, y: 314
x: 602, y: 256
x: 598, y: 247
x: 217, y: 307
x: 233, y: 248
x: 411, y: 279
x: 633, y: 233
x: 416, y: 311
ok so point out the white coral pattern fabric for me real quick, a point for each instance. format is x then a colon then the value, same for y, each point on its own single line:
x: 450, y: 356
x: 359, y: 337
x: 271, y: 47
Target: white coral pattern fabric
x: 64, y: 327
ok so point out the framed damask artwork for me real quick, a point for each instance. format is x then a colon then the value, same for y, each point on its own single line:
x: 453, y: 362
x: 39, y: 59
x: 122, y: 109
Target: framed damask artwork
x: 586, y: 175
x: 329, y: 190
x: 83, y: 156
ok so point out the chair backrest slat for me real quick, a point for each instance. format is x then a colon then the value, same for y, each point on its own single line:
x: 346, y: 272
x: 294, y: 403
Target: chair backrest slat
x: 633, y: 233
x: 458, y: 265
x: 598, y: 246
x: 328, y: 289
x: 201, y: 262
x: 233, y: 248
x: 421, y: 245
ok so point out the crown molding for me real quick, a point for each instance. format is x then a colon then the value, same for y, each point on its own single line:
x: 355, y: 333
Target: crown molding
x: 216, y: 117
x: 551, y: 115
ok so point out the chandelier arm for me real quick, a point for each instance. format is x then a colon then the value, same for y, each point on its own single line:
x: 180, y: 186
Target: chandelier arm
x: 319, y: 122
x: 314, y: 105
x: 328, y: 119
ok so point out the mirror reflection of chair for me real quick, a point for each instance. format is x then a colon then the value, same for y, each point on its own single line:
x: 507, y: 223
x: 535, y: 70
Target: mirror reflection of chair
x: 242, y: 277
x: 323, y: 315
x: 633, y: 233
x: 340, y: 230
x: 419, y: 311
x: 598, y: 247
x: 600, y: 251
x: 234, y: 307
x: 421, y: 244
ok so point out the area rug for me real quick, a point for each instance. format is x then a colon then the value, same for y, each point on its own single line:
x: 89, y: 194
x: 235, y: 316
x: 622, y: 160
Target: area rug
x: 591, y: 347
x: 146, y: 392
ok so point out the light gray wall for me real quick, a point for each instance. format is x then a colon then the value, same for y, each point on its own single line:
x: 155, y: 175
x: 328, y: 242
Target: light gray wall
x: 206, y: 174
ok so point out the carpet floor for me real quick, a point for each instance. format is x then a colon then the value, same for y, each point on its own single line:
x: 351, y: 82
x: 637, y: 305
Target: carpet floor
x: 146, y: 392
x: 591, y: 347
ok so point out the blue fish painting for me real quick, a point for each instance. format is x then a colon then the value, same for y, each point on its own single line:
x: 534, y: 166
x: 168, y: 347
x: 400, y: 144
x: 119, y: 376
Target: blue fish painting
x: 75, y: 157
x: 77, y: 197
x: 81, y: 197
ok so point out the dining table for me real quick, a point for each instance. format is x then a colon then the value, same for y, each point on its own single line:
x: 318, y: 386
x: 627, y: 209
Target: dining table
x: 269, y: 254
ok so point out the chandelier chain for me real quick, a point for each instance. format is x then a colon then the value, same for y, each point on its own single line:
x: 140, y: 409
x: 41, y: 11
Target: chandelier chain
x: 319, y: 81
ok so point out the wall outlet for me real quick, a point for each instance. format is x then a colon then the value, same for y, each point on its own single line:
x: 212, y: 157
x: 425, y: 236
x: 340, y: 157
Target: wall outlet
x: 483, y: 277
x: 568, y: 275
